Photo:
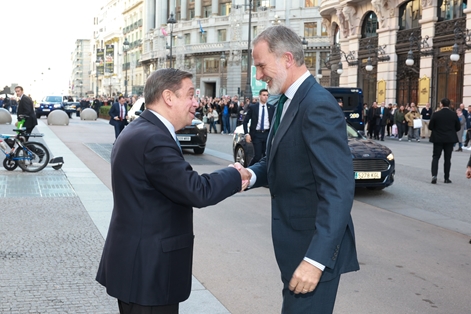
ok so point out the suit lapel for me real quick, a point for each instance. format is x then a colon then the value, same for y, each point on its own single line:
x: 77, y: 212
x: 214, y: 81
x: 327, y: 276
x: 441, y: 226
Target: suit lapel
x: 290, y: 114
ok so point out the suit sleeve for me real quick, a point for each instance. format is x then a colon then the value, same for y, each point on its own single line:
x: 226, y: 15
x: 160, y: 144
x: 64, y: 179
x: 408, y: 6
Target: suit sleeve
x: 247, y: 118
x: 174, y: 177
x: 325, y: 136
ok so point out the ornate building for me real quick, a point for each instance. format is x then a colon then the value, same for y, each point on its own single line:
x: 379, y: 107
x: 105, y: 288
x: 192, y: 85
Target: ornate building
x: 400, y: 51
x: 210, y: 38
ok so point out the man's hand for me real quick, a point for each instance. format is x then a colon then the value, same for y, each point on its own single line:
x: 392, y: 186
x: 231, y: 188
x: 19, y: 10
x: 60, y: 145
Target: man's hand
x: 305, y: 278
x: 116, y: 118
x: 244, y: 174
x: 468, y: 173
x: 248, y: 138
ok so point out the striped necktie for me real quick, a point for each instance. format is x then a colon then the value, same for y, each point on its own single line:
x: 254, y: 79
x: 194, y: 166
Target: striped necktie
x: 279, y: 111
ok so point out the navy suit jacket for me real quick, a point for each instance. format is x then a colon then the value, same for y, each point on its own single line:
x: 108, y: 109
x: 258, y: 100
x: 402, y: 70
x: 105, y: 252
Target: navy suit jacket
x: 253, y: 113
x: 309, y: 170
x: 444, y: 124
x: 147, y: 258
x: 114, y: 112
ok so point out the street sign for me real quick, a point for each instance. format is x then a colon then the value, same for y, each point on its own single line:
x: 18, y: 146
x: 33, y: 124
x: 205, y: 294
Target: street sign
x: 256, y: 84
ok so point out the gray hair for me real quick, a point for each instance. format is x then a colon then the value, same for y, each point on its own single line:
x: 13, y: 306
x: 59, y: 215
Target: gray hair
x: 282, y: 39
x: 161, y: 80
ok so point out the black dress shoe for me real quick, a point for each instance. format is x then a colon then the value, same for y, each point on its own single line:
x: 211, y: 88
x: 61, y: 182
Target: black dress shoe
x: 434, y: 180
x: 447, y: 181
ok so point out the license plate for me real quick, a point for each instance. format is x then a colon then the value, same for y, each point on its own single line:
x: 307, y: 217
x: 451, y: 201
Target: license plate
x: 367, y: 175
x: 184, y: 138
x: 46, y: 110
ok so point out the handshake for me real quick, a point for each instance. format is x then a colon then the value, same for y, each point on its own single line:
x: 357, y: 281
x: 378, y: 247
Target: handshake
x: 244, y: 174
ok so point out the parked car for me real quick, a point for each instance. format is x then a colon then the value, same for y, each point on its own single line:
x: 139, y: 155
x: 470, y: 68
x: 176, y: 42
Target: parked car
x: 56, y: 102
x: 193, y: 136
x: 373, y: 163
x: 139, y: 105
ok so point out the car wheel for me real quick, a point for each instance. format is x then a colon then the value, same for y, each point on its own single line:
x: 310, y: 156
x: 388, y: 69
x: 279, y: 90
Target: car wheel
x: 198, y: 150
x: 375, y: 188
x: 239, y: 156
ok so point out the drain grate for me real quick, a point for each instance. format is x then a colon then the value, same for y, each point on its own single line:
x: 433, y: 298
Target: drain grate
x: 41, y: 184
x: 101, y: 149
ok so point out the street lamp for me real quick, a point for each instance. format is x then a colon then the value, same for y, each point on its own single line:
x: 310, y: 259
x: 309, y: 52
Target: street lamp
x: 223, y: 60
x: 340, y: 68
x: 248, y: 88
x: 97, y: 62
x: 125, y: 49
x: 172, y: 22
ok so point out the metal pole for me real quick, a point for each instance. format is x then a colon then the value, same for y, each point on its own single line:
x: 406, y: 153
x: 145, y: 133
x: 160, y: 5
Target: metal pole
x: 96, y: 89
x: 248, y: 87
x: 171, y: 44
x: 126, y: 77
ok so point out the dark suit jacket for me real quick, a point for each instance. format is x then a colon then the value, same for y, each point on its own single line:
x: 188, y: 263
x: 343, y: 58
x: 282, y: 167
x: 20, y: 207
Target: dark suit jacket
x: 253, y: 113
x: 26, y: 107
x: 311, y: 192
x: 114, y: 112
x: 444, y: 124
x: 374, y: 117
x: 147, y: 258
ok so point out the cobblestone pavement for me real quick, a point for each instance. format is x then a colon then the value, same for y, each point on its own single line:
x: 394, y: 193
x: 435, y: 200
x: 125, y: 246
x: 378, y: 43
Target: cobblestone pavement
x: 49, y: 247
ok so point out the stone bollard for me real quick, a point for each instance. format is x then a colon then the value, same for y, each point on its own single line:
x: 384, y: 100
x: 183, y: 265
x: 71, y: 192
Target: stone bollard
x: 88, y: 114
x: 5, y: 116
x: 58, y: 117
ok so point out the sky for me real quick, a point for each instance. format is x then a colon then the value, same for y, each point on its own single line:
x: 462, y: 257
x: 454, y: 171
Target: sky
x: 38, y: 36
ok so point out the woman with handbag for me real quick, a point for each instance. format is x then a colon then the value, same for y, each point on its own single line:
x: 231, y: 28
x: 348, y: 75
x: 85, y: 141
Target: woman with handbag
x: 212, y: 117
x: 414, y: 127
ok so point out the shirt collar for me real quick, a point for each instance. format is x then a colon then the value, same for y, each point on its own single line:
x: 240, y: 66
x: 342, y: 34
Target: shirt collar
x: 295, y: 86
x: 167, y: 123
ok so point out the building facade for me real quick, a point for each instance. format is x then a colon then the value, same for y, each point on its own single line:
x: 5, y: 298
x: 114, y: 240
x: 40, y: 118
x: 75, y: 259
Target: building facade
x: 400, y: 51
x: 79, y: 78
x: 210, y: 37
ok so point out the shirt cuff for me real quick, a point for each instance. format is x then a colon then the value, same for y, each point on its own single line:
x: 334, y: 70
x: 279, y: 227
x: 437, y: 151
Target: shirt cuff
x: 253, y: 179
x: 314, y: 263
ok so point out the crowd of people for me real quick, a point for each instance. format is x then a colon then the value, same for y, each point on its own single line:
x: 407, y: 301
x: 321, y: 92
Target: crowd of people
x: 408, y: 122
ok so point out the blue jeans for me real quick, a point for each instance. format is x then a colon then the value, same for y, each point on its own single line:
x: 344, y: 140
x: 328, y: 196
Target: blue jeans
x: 211, y: 126
x: 233, y: 124
x: 226, y: 124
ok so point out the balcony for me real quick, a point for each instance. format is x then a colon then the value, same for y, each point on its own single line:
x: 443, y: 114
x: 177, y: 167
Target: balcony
x: 139, y: 23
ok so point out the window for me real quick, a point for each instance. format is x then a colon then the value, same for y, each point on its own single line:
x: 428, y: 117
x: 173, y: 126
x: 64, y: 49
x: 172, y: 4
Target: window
x: 203, y: 38
x: 221, y: 35
x: 449, y: 10
x: 370, y: 25
x: 225, y: 8
x: 207, y: 10
x: 211, y: 65
x: 187, y: 39
x: 409, y: 14
x: 191, y: 13
x: 310, y: 3
x: 324, y: 31
x: 310, y: 29
x: 254, y: 31
x: 310, y: 59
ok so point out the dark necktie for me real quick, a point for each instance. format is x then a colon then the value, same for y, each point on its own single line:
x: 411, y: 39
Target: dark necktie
x: 120, y: 112
x: 279, y: 111
x: 262, y: 128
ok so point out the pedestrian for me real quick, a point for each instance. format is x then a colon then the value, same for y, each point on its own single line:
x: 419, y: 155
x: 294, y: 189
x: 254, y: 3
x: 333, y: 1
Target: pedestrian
x: 426, y: 113
x: 412, y: 115
x: 234, y: 113
x: 460, y: 133
x: 400, y: 121
x: 25, y: 111
x: 312, y: 193
x: 374, y: 121
x: 384, y: 120
x: 147, y: 258
x: 259, y: 114
x: 97, y: 105
x: 119, y: 115
x: 14, y: 105
x: 444, y: 124
x: 213, y: 118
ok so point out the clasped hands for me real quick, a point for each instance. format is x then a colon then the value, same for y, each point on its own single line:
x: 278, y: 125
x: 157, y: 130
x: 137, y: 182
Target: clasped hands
x: 244, y: 174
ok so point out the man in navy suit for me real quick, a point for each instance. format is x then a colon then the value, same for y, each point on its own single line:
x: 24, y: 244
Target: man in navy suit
x: 119, y: 115
x: 260, y: 114
x: 147, y: 258
x: 308, y: 167
x: 444, y: 124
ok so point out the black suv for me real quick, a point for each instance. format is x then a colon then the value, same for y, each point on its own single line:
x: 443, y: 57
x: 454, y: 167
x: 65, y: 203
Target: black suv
x: 54, y: 102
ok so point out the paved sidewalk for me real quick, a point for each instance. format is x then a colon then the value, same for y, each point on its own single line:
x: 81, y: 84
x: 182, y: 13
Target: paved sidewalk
x: 53, y: 227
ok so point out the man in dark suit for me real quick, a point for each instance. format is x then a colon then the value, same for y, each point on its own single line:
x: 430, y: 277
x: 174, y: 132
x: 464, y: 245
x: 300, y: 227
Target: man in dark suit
x: 26, y: 109
x: 384, y: 117
x: 308, y: 167
x: 260, y: 114
x: 444, y: 124
x: 374, y: 121
x: 147, y: 258
x: 119, y: 115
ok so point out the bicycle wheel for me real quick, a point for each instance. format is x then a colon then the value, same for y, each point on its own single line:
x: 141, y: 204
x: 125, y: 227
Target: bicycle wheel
x: 32, y: 157
x: 9, y: 164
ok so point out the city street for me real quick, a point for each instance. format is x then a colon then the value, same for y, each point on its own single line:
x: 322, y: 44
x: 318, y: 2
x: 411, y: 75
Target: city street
x: 412, y: 238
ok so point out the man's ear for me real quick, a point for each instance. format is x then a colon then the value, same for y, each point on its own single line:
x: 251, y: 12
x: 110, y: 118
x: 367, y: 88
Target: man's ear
x: 167, y: 96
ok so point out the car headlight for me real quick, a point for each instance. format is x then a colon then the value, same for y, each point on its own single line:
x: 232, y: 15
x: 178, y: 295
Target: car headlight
x: 200, y: 126
x: 390, y: 157
x: 57, y: 105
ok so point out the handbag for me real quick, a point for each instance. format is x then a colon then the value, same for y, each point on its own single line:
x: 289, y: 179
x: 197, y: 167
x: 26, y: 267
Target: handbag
x: 417, y: 123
